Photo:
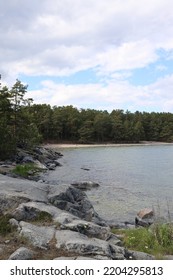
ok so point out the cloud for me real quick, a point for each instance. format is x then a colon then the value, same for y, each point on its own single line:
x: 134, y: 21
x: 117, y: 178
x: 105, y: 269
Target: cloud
x: 116, y: 94
x: 63, y: 37
x: 112, y: 37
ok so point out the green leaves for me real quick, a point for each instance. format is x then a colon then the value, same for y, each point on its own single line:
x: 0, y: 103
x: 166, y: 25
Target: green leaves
x: 16, y: 124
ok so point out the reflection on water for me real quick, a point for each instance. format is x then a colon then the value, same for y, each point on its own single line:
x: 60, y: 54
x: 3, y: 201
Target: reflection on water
x: 130, y: 178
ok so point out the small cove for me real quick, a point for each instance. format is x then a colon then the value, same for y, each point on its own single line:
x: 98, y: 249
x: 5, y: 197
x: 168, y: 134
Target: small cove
x: 130, y: 178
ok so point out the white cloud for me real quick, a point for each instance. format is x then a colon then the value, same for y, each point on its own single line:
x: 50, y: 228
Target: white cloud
x: 128, y: 56
x: 60, y: 38
x: 116, y: 94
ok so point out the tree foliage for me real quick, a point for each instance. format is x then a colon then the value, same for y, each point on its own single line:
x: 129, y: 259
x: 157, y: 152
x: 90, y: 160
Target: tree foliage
x: 17, y: 126
x: 24, y: 124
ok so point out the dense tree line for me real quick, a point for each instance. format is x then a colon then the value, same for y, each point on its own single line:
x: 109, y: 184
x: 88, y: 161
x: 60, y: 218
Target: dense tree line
x: 24, y: 124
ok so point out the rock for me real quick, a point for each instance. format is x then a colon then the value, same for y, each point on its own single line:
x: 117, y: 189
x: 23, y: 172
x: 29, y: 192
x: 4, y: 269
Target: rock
x: 121, y: 225
x: 76, y: 202
x: 136, y: 255
x: 46, y: 156
x: 82, y: 245
x: 85, y: 185
x: 14, y: 191
x: 114, y: 240
x: 22, y: 254
x: 31, y: 210
x: 40, y: 165
x: 51, y: 166
x: 88, y: 228
x: 28, y: 159
x: 84, y: 168
x: 65, y: 218
x: 14, y: 222
x: 145, y: 217
x: 74, y: 258
x: 8, y: 202
x: 168, y: 257
x: 38, y: 236
x: 145, y: 213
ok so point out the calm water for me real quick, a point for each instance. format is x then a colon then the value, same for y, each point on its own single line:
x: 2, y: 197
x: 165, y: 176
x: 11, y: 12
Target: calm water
x: 130, y: 178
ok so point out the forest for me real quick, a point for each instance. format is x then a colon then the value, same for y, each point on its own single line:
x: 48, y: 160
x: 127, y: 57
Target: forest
x: 25, y: 124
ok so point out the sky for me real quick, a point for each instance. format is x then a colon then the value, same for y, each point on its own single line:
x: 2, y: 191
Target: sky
x: 97, y: 54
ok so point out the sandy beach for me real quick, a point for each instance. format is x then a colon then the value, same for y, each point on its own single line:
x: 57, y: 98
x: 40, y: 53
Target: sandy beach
x: 145, y: 143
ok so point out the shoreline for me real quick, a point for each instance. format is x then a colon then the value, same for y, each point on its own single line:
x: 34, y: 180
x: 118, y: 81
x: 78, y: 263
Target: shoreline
x: 145, y: 143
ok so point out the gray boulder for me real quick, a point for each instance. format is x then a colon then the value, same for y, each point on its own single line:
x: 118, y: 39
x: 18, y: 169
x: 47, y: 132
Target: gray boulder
x: 38, y: 236
x: 136, y: 255
x: 76, y: 202
x: 14, y: 191
x: 80, y: 244
x: 22, y: 254
x: 114, y: 240
x: 145, y: 217
x: 31, y: 210
x: 88, y: 228
x: 28, y: 159
x: 64, y: 218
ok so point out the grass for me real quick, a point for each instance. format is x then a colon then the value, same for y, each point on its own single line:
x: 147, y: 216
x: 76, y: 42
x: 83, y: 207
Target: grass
x: 156, y: 240
x: 5, y: 226
x: 10, y: 233
x: 43, y: 218
x: 23, y: 170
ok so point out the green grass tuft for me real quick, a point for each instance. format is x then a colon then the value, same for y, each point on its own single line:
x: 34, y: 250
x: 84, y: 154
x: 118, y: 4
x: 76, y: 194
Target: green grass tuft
x: 156, y: 240
x: 24, y: 169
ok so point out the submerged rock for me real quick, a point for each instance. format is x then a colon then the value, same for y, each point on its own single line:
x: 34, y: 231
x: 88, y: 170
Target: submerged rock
x: 85, y: 185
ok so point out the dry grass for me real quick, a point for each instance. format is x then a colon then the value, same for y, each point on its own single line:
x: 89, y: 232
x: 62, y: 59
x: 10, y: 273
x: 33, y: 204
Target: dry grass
x: 10, y: 240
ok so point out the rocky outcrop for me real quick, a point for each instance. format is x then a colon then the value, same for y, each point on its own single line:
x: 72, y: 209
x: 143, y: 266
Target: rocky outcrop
x: 83, y: 245
x: 60, y: 219
x: 75, y: 202
x: 42, y: 158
